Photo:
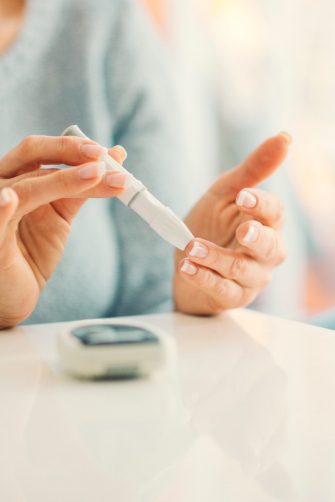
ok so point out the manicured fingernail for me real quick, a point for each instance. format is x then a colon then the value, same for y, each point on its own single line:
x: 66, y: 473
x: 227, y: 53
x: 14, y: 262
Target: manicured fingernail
x: 92, y: 171
x: 199, y: 250
x: 5, y: 197
x: 189, y: 268
x: 286, y: 136
x: 123, y: 151
x: 116, y: 180
x: 246, y: 199
x: 251, y: 235
x: 92, y: 151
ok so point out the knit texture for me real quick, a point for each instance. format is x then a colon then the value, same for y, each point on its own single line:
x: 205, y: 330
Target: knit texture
x: 100, y: 64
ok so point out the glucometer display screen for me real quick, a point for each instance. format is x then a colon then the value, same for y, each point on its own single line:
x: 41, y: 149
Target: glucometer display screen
x: 111, y: 334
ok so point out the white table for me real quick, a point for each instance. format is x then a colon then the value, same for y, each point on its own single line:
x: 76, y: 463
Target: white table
x: 248, y: 415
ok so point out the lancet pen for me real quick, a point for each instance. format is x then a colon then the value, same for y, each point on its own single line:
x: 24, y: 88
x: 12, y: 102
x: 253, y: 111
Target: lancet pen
x: 138, y: 198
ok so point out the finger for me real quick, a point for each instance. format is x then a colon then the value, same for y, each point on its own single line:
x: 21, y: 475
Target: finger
x: 62, y: 184
x: 106, y: 188
x: 29, y: 174
x: 256, y: 168
x: 68, y: 208
x: 263, y: 206
x: 8, y: 205
x: 111, y: 185
x: 36, y: 150
x: 118, y: 153
x: 230, y: 264
x: 112, y: 179
x: 222, y: 293
x: 261, y: 242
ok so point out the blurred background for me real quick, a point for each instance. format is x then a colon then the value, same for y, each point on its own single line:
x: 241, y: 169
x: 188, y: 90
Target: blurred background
x: 247, y: 69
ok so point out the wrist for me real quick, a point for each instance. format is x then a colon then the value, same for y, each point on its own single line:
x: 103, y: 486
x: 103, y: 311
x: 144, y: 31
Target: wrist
x: 7, y: 322
x: 17, y: 310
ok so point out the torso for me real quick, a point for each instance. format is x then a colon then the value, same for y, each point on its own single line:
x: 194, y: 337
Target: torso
x: 38, y: 95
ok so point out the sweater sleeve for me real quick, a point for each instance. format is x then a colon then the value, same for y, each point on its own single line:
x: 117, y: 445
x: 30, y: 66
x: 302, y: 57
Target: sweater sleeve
x: 144, y: 107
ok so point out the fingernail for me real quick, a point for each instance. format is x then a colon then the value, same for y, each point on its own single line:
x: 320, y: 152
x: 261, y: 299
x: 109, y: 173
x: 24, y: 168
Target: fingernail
x: 246, y: 199
x: 286, y: 136
x: 5, y: 197
x: 251, y: 235
x: 188, y: 268
x: 122, y: 151
x: 199, y: 250
x: 92, y: 151
x: 92, y: 171
x: 116, y: 180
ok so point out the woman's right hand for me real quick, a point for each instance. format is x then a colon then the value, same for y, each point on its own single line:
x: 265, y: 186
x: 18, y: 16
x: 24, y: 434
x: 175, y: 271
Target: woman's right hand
x: 37, y: 208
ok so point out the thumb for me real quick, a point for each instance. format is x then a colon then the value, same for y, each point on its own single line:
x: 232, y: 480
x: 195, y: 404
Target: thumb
x: 258, y: 166
x: 69, y: 208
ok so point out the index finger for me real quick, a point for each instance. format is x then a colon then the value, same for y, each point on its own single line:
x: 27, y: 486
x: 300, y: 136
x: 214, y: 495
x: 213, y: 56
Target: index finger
x: 36, y: 150
x: 117, y: 152
x: 263, y: 206
x: 258, y: 166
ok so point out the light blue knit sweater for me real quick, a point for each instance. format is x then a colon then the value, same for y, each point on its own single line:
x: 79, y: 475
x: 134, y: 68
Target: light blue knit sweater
x: 99, y: 64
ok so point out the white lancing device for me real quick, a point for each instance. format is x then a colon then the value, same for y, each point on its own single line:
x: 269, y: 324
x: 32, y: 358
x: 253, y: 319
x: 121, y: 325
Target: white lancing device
x: 138, y: 198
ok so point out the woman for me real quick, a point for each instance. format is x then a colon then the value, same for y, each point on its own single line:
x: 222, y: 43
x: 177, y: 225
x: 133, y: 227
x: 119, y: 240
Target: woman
x: 97, y: 64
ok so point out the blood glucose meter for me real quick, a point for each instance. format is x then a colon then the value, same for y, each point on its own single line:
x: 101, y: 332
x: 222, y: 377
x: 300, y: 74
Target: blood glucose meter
x: 113, y: 349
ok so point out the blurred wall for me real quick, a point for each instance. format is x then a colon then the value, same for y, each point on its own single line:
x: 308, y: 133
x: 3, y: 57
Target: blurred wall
x: 250, y: 68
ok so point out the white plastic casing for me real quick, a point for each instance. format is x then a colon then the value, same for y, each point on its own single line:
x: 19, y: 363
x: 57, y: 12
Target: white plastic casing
x: 137, y: 197
x: 134, y: 186
x: 136, y: 359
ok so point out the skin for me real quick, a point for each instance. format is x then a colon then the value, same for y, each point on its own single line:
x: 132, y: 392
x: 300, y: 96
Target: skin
x: 37, y: 208
x: 234, y: 271
x: 11, y: 7
x: 11, y: 17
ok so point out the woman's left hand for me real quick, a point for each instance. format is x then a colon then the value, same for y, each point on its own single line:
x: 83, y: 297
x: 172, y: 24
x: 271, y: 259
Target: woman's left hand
x: 239, y: 237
